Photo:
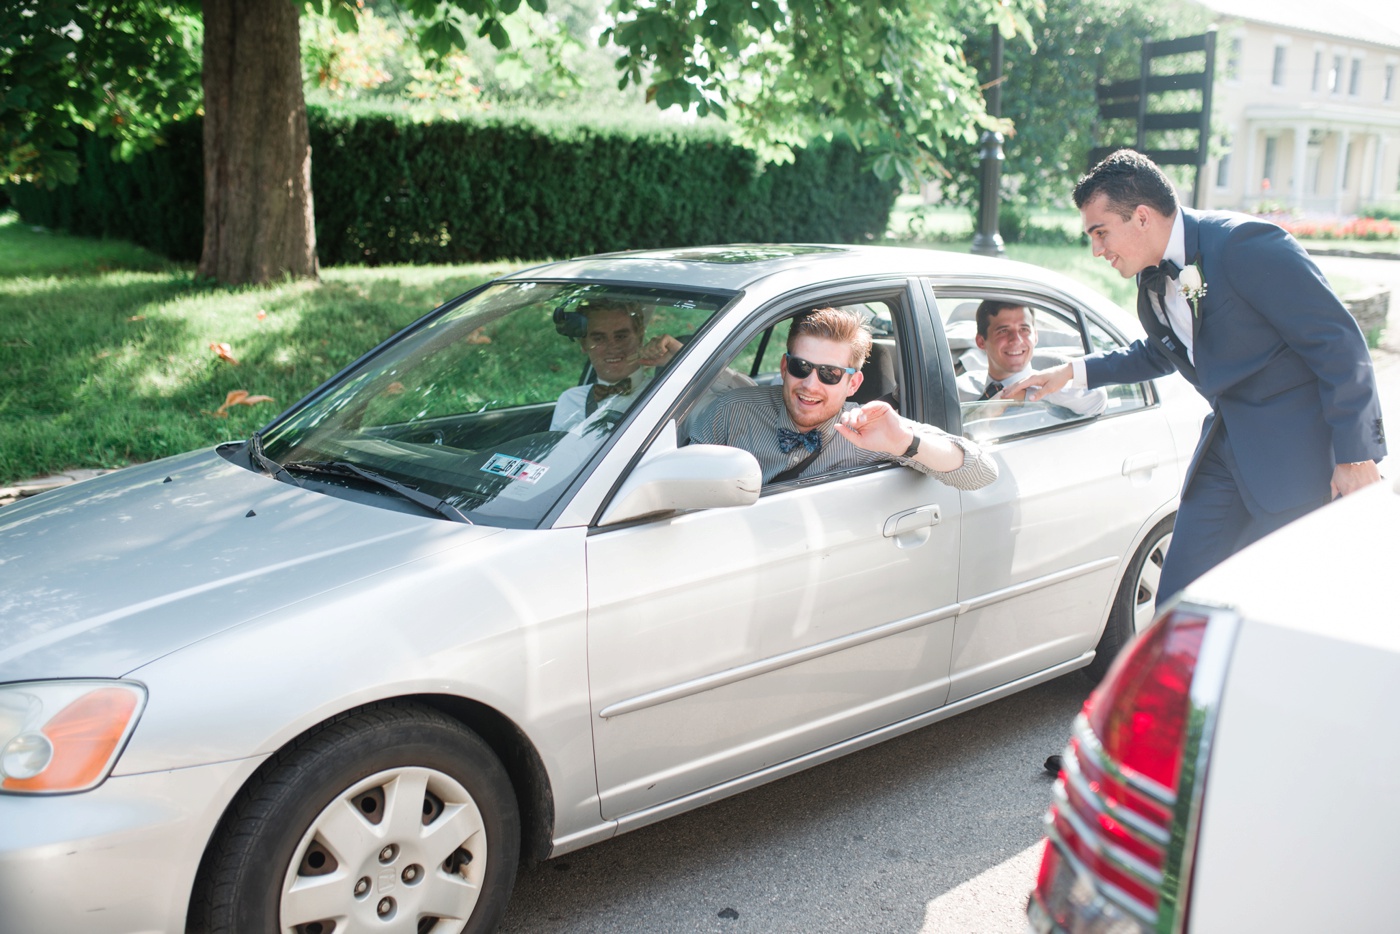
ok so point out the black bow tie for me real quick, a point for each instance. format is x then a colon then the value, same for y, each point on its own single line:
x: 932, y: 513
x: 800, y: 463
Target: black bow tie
x: 1154, y: 278
x: 620, y: 388
x: 789, y: 439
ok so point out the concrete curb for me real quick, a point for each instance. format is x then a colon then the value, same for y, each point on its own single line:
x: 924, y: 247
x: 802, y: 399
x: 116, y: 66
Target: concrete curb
x: 27, y: 488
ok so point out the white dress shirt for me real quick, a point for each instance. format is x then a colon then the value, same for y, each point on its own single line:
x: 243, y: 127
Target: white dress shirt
x: 570, y: 411
x: 1178, y: 309
x: 1080, y: 401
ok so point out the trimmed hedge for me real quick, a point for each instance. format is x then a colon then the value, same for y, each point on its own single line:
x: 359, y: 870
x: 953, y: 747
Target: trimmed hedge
x: 388, y: 189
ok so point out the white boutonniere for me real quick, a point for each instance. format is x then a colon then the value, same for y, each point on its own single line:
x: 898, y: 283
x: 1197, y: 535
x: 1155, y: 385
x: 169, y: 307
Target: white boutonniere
x: 1192, y: 286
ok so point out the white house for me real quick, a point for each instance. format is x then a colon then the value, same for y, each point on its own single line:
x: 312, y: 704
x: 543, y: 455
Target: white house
x: 1307, y: 106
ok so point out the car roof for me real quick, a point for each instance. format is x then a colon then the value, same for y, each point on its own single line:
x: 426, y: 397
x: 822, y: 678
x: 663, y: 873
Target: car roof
x: 739, y: 266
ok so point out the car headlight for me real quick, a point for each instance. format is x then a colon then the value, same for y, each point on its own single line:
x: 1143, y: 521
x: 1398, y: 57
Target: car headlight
x: 63, y: 736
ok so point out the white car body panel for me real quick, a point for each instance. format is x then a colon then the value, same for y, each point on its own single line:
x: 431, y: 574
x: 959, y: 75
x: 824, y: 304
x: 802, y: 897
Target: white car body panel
x: 1299, y: 819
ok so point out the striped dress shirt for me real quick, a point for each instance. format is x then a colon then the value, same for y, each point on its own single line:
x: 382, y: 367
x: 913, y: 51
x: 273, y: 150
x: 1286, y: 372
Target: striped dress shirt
x: 749, y: 418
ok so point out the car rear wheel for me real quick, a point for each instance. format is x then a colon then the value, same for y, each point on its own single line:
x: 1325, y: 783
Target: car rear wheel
x: 395, y: 818
x: 1135, y: 603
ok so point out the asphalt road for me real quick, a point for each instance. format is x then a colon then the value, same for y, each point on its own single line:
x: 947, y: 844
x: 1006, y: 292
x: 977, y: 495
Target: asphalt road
x: 937, y: 831
x: 933, y: 833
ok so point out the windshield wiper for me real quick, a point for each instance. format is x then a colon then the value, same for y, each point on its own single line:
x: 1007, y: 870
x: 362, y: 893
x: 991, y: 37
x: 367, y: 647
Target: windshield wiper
x: 346, y: 469
x: 270, y: 466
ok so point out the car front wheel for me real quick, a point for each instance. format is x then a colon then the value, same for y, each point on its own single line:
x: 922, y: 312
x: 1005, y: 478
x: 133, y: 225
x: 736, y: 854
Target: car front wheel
x: 394, y: 818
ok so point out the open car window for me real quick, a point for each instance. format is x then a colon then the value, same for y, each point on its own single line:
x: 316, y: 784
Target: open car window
x: 1056, y: 336
x: 462, y: 408
x: 759, y: 362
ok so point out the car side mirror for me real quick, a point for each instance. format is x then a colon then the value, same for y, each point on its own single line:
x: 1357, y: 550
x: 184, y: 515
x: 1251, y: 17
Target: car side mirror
x: 698, y: 476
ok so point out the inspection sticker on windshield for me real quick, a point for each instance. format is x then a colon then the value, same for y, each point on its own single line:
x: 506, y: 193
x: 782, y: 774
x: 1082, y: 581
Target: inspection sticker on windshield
x: 516, y: 468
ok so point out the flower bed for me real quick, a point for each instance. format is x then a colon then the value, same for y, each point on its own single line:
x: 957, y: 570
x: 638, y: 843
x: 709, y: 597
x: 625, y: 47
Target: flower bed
x: 1359, y: 228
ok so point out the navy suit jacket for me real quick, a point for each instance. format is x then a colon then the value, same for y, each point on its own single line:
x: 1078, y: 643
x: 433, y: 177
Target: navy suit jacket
x: 1277, y: 355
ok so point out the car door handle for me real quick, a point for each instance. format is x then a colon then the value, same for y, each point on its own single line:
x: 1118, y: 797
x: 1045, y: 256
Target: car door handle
x: 911, y: 520
x: 1147, y: 460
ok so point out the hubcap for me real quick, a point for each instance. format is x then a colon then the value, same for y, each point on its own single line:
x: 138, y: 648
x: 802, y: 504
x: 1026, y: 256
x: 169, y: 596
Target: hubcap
x: 403, y: 850
x: 1148, y: 583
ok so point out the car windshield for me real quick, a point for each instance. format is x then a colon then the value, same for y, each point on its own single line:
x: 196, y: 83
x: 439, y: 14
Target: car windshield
x: 486, y: 409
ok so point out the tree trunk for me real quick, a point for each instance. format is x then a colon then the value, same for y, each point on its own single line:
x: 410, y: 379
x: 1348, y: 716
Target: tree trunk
x: 258, y: 221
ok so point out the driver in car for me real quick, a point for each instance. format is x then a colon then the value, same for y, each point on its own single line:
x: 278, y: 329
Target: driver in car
x: 613, y: 343
x: 1006, y: 333
x: 807, y: 426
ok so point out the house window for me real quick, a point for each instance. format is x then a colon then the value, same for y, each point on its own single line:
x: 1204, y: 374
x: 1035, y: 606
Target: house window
x: 1346, y: 166
x: 1317, y: 70
x: 1389, y: 93
x: 1354, y: 86
x: 1270, y: 154
x: 1280, y: 65
x: 1334, y: 77
x: 1222, y: 168
x: 1232, y: 63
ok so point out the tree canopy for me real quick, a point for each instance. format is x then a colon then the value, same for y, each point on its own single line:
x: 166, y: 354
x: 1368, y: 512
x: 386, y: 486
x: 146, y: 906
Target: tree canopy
x: 889, y: 74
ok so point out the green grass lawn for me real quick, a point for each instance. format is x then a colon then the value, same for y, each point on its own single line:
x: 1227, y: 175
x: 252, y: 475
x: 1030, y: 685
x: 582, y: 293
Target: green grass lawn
x: 105, y: 355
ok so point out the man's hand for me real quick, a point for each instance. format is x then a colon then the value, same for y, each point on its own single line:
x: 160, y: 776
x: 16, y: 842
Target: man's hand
x: 1348, y: 478
x: 1039, y: 384
x: 875, y: 426
x: 659, y: 350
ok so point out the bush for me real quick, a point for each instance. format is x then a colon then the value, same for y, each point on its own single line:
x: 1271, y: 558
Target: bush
x: 390, y: 189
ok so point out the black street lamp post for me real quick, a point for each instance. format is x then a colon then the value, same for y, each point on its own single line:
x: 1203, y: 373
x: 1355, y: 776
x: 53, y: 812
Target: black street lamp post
x: 988, y: 241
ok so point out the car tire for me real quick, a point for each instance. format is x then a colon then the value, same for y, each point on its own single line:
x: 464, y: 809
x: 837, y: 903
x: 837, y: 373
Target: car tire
x: 384, y: 819
x: 1133, y: 605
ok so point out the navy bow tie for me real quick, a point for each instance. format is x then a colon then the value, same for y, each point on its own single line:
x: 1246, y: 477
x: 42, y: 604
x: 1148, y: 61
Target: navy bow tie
x: 1154, y: 278
x: 789, y: 439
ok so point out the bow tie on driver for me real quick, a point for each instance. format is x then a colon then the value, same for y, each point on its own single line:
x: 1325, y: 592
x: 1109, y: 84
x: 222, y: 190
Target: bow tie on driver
x: 789, y: 439
x: 1154, y: 278
x: 620, y: 388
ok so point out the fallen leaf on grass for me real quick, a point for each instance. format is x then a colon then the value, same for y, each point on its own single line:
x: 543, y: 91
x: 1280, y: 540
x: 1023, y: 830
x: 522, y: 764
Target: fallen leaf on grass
x: 223, y: 352
x: 478, y: 337
x: 261, y: 314
x: 238, y: 397
x: 137, y: 318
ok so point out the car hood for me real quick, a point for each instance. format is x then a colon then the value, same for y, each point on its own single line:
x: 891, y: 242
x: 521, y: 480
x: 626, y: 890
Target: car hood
x: 101, y: 577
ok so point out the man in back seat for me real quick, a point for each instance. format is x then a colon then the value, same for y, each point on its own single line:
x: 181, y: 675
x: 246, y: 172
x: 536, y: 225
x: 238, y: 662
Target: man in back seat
x: 1006, y: 333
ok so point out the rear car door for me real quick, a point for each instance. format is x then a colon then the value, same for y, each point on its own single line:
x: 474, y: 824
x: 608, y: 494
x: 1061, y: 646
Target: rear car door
x: 1043, y: 548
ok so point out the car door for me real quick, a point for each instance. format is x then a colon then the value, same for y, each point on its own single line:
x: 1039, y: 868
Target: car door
x: 1043, y: 548
x: 725, y: 642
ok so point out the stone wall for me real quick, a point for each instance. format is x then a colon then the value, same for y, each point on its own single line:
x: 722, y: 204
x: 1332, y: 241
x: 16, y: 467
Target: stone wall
x: 1369, y: 309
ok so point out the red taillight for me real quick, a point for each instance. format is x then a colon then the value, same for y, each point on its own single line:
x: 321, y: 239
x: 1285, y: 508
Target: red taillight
x: 1140, y: 711
x: 1105, y: 863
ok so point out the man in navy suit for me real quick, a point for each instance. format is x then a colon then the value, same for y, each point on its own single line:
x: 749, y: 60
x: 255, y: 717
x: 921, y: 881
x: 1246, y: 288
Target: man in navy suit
x: 1237, y: 307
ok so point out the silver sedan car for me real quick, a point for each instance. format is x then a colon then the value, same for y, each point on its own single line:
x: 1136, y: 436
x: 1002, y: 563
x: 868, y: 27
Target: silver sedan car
x: 445, y: 614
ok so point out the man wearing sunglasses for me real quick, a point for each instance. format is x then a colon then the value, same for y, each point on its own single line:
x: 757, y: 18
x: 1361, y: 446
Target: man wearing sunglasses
x: 807, y: 426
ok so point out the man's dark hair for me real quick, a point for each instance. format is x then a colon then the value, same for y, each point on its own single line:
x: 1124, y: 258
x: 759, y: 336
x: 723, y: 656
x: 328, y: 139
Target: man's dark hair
x: 990, y: 309
x: 1128, y: 178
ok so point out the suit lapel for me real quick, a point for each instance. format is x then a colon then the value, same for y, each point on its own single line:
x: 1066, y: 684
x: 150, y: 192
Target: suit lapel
x: 1191, y: 227
x: 1161, y: 335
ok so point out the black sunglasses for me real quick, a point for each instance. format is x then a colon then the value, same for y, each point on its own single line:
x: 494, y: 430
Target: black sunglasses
x: 828, y: 373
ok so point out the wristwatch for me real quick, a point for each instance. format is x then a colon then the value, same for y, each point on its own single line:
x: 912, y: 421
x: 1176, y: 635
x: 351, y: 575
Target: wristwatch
x: 913, y: 447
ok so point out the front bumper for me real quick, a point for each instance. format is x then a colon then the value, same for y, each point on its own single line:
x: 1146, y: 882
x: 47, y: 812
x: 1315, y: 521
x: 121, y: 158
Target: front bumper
x: 120, y: 859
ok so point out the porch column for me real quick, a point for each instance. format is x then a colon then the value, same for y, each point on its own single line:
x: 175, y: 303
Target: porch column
x: 1300, y: 165
x: 1343, y: 138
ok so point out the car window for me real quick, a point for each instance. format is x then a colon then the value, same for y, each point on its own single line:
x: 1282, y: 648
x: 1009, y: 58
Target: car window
x: 1022, y: 335
x: 486, y: 404
x: 759, y: 361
